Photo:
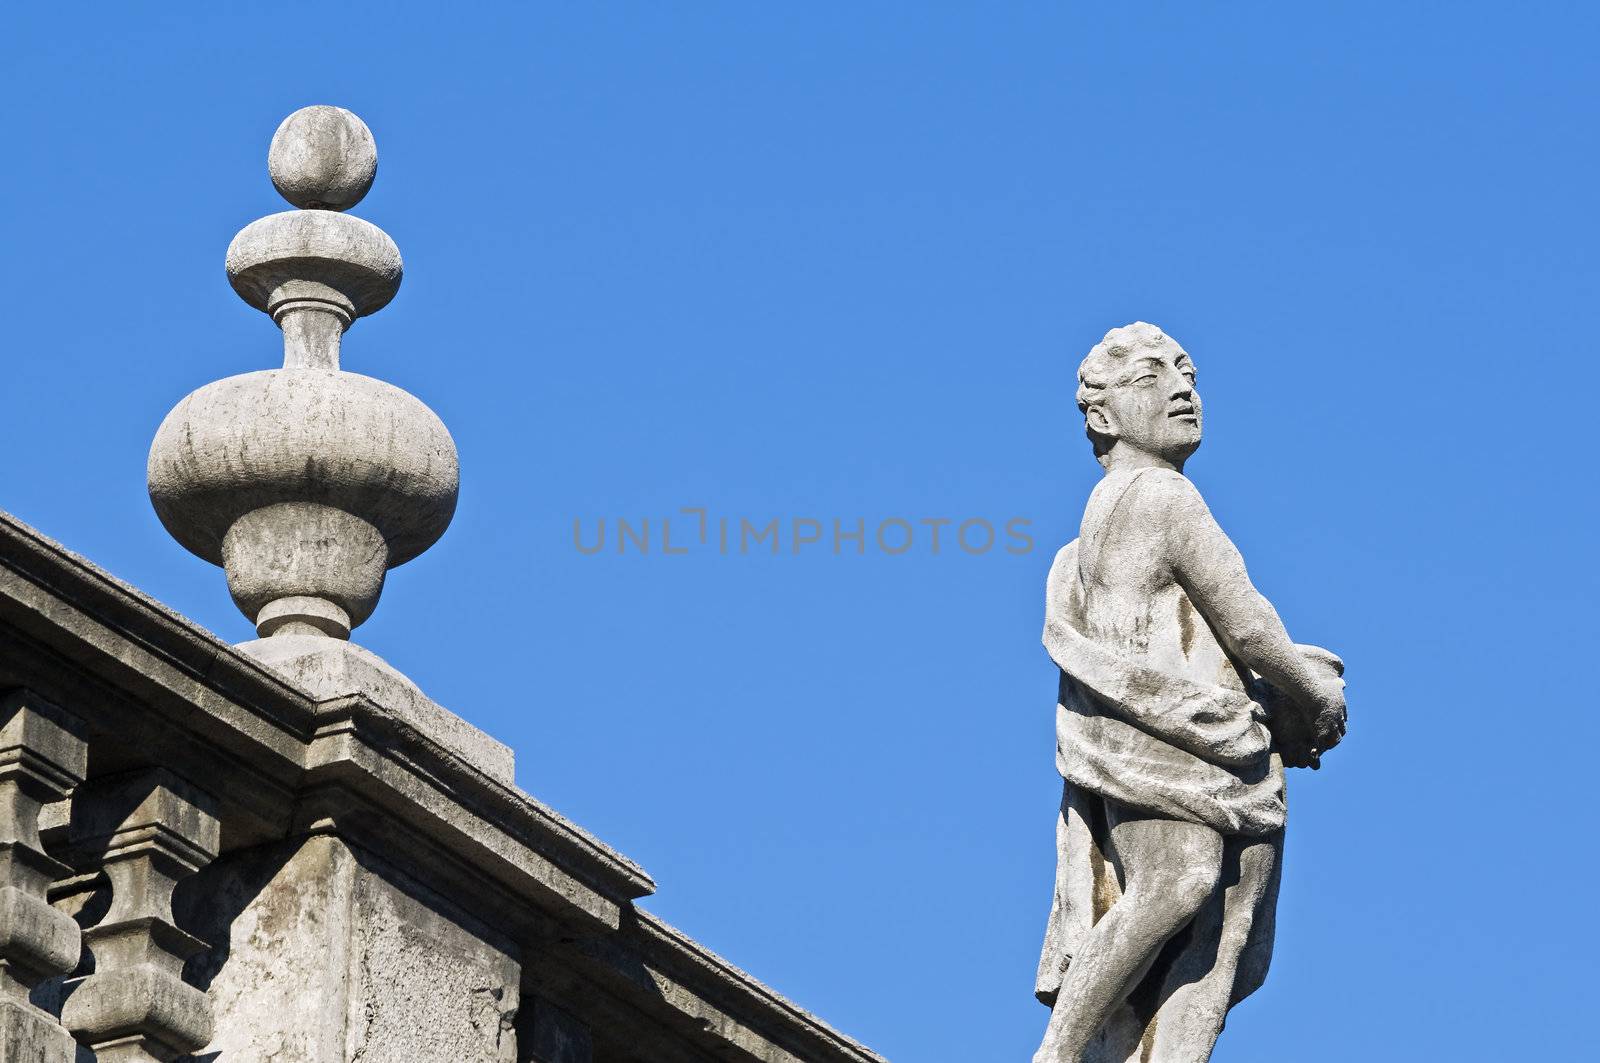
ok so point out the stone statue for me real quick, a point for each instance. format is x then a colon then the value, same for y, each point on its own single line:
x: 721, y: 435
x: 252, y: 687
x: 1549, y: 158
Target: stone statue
x: 1182, y: 700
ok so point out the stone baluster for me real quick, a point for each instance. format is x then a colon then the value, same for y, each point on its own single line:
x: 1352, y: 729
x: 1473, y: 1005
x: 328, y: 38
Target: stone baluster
x: 42, y: 757
x: 148, y: 831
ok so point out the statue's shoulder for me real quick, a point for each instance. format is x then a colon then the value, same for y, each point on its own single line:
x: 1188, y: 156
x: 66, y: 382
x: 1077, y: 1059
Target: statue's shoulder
x: 1159, y: 484
x: 1162, y: 495
x: 1146, y: 497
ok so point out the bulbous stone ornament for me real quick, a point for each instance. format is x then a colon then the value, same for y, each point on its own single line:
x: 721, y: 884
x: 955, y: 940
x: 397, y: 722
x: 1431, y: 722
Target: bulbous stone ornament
x: 308, y: 483
x: 335, y: 262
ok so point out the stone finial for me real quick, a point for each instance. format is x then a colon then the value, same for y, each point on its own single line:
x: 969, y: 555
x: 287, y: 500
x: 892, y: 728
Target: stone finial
x: 308, y: 483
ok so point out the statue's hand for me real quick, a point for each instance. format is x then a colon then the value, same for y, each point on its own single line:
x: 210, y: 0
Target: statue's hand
x: 1331, y: 717
x: 1302, y: 731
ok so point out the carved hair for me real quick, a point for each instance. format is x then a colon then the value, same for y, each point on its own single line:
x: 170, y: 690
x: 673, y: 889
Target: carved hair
x: 1097, y: 367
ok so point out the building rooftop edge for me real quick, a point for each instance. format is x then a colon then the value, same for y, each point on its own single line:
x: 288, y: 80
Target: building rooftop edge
x: 213, y: 661
x: 297, y: 723
x: 666, y: 936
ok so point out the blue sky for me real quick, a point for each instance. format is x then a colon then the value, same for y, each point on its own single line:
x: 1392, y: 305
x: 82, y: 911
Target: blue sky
x: 829, y: 262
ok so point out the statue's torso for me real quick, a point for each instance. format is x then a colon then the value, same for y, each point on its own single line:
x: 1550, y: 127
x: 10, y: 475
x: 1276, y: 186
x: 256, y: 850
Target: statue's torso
x: 1131, y: 602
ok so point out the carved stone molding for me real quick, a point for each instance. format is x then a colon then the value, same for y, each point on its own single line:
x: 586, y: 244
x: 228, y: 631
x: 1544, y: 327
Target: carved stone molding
x: 148, y: 831
x: 42, y: 758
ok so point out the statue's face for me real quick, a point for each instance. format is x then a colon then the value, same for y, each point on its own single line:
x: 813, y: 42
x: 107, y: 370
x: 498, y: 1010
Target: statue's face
x: 1151, y: 403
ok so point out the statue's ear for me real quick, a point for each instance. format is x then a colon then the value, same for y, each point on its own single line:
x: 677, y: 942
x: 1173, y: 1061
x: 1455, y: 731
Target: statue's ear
x: 1099, y: 421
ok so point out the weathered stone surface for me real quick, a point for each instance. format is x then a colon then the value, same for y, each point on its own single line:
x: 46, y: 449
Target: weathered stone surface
x: 1181, y: 700
x: 322, y: 955
x: 148, y: 831
x: 429, y: 989
x: 28, y: 1035
x: 304, y: 483
x: 283, y: 436
x: 327, y: 669
x: 322, y: 158
x: 277, y: 919
x: 339, y: 260
x: 42, y: 757
x: 651, y: 977
x: 547, y: 1034
x: 308, y: 483
x: 243, y: 731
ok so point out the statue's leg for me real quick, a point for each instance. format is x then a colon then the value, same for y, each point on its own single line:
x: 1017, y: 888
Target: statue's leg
x: 1255, y: 954
x: 1169, y: 870
x: 1226, y: 956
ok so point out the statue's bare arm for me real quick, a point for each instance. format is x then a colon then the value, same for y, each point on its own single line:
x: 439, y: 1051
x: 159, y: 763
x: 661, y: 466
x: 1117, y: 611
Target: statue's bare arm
x: 1211, y: 572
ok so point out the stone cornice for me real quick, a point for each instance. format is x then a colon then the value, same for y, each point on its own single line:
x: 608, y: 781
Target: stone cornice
x: 88, y: 631
x: 649, y: 977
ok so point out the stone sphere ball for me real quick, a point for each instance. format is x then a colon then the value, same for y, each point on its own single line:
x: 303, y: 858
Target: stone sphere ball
x: 323, y: 158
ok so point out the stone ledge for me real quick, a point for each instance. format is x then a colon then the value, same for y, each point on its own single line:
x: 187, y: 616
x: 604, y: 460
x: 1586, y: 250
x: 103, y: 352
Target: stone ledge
x: 224, y: 713
x: 650, y: 976
x: 674, y: 947
x: 327, y: 669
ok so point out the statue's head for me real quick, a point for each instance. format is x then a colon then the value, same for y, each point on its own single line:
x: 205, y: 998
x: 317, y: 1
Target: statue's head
x: 1136, y: 388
